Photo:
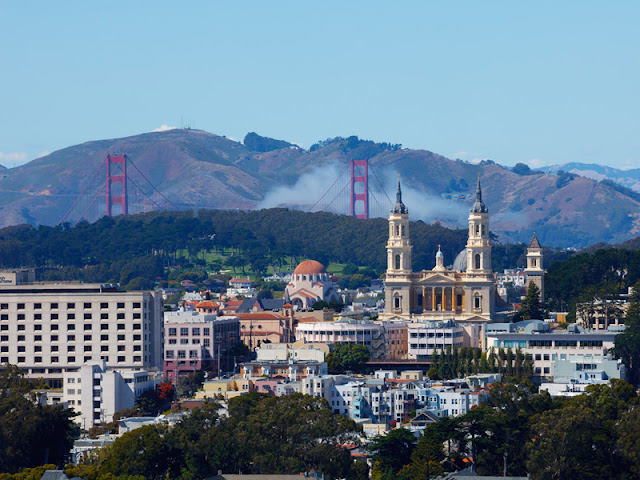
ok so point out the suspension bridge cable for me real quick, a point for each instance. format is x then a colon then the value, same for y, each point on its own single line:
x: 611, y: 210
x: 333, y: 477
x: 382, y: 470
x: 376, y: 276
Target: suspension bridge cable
x: 85, y: 189
x: 379, y: 183
x: 91, y: 204
x: 152, y: 185
x: 148, y: 196
x: 329, y: 189
x: 338, y: 194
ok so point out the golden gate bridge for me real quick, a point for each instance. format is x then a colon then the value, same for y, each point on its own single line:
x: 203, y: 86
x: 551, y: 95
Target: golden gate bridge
x: 119, y: 187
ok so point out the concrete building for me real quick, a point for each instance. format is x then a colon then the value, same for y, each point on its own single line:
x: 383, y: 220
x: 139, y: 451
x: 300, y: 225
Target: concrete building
x: 346, y: 330
x: 465, y: 292
x: 266, y: 327
x: 47, y: 329
x: 197, y: 341
x: 426, y: 338
x: 536, y: 338
x: 97, y: 392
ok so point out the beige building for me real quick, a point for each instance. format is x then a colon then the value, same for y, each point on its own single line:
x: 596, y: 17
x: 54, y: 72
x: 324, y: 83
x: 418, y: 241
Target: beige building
x: 464, y: 293
x: 47, y: 329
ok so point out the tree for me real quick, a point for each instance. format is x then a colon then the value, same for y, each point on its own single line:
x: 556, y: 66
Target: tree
x: 348, y: 356
x: 532, y: 306
x: 628, y: 343
x: 393, y: 450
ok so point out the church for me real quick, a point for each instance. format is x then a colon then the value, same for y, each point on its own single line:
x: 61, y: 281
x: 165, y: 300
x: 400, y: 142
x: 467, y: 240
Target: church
x: 464, y: 293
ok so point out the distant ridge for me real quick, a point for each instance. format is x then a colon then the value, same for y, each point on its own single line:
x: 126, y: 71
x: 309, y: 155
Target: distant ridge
x: 197, y: 169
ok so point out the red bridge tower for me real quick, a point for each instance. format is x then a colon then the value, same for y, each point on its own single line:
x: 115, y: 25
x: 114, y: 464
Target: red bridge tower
x: 364, y: 196
x: 120, y: 178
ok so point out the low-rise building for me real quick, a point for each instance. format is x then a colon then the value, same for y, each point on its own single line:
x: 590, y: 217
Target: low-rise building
x: 536, y: 338
x: 96, y: 392
x: 346, y: 330
x: 266, y: 327
x: 426, y: 338
x: 197, y: 341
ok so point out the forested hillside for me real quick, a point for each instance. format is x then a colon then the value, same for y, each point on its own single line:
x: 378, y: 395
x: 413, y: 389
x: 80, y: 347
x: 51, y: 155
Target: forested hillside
x: 123, y: 248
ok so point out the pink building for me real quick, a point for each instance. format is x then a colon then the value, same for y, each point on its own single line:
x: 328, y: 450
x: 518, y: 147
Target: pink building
x: 195, y: 341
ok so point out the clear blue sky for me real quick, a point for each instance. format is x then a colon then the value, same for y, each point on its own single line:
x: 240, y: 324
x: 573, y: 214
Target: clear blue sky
x: 536, y: 82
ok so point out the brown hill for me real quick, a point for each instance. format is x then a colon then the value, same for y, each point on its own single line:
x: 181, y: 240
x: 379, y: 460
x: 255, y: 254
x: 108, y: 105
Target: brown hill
x: 198, y: 169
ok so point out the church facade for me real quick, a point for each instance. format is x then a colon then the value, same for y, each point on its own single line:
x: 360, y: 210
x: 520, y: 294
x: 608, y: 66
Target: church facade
x: 464, y: 293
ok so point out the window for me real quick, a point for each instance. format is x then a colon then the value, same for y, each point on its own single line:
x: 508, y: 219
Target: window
x: 87, y: 338
x: 54, y: 316
x: 195, y: 341
x: 21, y: 338
x: 136, y: 316
x: 54, y: 359
x: 4, y: 327
x: 87, y: 316
x: 104, y: 338
x: 137, y: 337
x: 71, y: 316
x: 37, y: 327
x: 397, y: 262
x: 21, y: 327
x: 71, y: 306
x: 172, y: 331
x: 172, y: 341
x: 87, y: 326
x: 120, y: 304
x: 4, y: 316
x: 182, y: 354
x: 37, y: 338
x: 477, y: 260
x: 120, y: 338
x: 71, y: 338
x: 54, y: 306
x: 206, y: 342
x: 37, y: 348
x: 169, y: 354
x: 121, y: 348
x: 137, y: 358
x: 121, y: 358
x: 184, y: 331
x: 195, y: 331
x: 137, y: 326
x: 37, y: 359
x: 71, y: 327
x: 4, y: 306
x: 20, y: 359
x: 87, y: 305
x: 21, y: 306
x: 104, y: 305
x: 136, y: 304
x: 120, y: 316
x: 104, y: 348
x: 54, y: 338
x: 71, y: 348
x: 121, y: 326
x: 37, y: 316
x: 37, y: 306
x: 87, y: 348
x: 22, y: 349
x: 104, y: 316
x: 205, y: 331
x: 184, y: 341
x: 21, y: 316
x: 71, y: 359
x: 4, y: 338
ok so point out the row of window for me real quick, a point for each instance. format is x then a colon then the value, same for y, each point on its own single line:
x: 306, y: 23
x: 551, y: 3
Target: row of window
x: 565, y: 343
x: 54, y: 359
x: 194, y: 341
x: 345, y: 333
x: 435, y: 334
x: 70, y: 305
x: 185, y: 331
x: 70, y: 316
x: 70, y: 338
x: 70, y: 348
x: 181, y: 354
x: 430, y: 345
x: 86, y: 327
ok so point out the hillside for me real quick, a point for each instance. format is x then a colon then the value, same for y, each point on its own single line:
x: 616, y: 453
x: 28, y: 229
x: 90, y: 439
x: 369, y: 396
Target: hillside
x: 196, y: 169
x: 627, y: 178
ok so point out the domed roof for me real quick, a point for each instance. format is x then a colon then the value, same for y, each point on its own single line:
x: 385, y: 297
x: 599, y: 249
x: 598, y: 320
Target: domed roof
x: 399, y: 207
x: 460, y: 263
x: 479, y: 206
x: 309, y: 267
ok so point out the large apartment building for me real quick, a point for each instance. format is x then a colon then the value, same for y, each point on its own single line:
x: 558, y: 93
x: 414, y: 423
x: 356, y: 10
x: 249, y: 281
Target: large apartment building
x: 47, y: 329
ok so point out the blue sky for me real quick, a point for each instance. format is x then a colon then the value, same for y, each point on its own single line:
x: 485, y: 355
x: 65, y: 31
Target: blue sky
x: 535, y: 82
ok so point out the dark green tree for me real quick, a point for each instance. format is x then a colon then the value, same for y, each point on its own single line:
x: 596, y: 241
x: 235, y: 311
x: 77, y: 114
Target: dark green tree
x: 531, y: 305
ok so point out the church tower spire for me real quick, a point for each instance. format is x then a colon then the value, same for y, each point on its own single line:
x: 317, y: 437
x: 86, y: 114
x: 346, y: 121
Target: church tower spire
x: 398, y: 258
x: 479, y: 243
x: 535, y: 269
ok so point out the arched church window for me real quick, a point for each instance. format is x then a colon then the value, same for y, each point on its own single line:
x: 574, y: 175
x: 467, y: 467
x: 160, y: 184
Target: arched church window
x: 534, y: 262
x: 477, y: 260
x: 397, y: 262
x: 397, y: 230
x: 396, y: 302
x: 477, y: 301
x: 477, y: 229
x: 402, y: 232
x: 483, y: 230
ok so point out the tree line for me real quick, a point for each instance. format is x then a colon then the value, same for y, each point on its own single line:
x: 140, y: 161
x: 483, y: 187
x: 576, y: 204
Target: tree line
x: 519, y: 432
x: 451, y: 363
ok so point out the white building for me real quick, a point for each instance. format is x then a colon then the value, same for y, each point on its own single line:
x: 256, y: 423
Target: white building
x: 97, y: 392
x: 426, y: 338
x: 47, y: 329
x: 535, y: 337
x: 346, y: 330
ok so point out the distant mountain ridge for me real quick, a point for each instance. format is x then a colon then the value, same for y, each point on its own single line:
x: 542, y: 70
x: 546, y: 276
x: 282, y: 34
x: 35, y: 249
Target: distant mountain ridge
x: 197, y: 169
x: 626, y: 178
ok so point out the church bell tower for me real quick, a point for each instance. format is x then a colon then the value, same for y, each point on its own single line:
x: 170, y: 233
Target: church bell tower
x: 535, y: 269
x: 399, y: 244
x: 478, y: 243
